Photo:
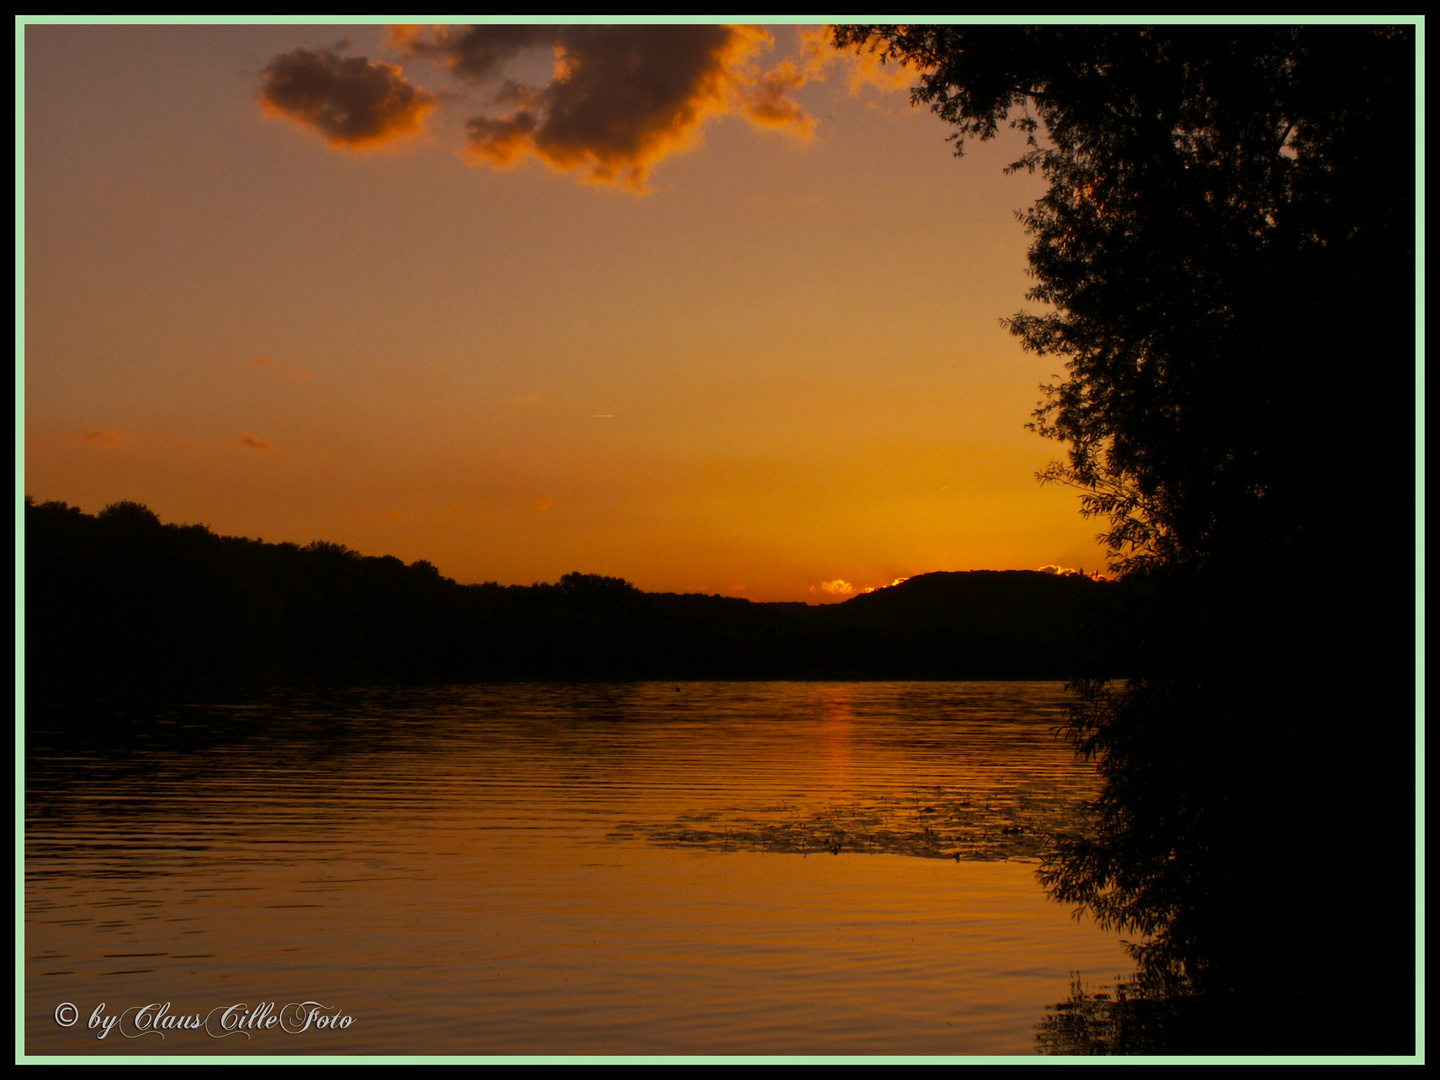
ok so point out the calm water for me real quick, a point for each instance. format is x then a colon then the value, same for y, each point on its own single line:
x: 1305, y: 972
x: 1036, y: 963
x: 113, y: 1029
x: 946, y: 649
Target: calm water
x: 776, y: 868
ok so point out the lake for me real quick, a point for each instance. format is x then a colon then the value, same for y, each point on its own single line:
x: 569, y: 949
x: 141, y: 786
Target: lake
x: 654, y: 868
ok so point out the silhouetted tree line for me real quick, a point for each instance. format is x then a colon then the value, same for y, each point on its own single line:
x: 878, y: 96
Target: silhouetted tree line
x: 1225, y: 257
x: 119, y: 604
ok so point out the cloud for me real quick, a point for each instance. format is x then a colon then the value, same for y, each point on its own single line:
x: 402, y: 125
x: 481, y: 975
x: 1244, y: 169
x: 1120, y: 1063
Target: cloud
x: 767, y: 103
x: 252, y: 442
x: 107, y: 438
x: 836, y: 587
x: 621, y: 97
x: 863, y: 68
x: 351, y: 102
x: 279, y: 367
x: 472, y: 52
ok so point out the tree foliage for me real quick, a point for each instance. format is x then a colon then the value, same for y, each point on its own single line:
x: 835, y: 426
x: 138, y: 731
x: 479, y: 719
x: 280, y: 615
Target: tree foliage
x: 1230, y: 213
x: 122, y: 606
x: 1224, y: 259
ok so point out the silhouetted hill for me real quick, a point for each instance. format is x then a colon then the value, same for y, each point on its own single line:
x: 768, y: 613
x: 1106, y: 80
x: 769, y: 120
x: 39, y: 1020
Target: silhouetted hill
x: 119, y: 604
x: 1005, y: 623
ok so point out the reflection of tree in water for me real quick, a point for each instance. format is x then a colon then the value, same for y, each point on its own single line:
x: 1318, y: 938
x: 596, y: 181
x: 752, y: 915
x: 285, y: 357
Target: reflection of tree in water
x: 1148, y: 1015
x: 1133, y: 1017
x: 1120, y: 1020
x: 1226, y: 257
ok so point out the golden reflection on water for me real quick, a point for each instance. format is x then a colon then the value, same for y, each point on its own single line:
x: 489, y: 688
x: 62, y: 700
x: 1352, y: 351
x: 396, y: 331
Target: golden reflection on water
x: 835, y: 731
x: 506, y: 870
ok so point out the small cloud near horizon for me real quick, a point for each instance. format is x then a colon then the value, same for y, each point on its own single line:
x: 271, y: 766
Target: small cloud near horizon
x: 841, y: 587
x: 252, y: 442
x: 108, y: 438
x: 1068, y: 571
x: 279, y: 367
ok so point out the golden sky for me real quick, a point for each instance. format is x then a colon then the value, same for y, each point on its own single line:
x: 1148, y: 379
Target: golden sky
x: 710, y: 309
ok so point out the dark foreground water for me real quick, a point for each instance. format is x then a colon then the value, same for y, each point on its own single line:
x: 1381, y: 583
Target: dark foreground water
x: 770, y: 868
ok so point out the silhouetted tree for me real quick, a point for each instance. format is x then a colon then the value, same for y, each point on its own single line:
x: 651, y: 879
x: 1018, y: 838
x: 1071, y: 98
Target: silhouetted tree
x: 129, y: 515
x: 597, y: 588
x: 1229, y: 207
x: 123, y: 606
x: 1226, y: 254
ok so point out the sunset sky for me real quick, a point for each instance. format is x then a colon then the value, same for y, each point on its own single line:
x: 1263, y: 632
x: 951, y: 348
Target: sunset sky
x: 709, y: 309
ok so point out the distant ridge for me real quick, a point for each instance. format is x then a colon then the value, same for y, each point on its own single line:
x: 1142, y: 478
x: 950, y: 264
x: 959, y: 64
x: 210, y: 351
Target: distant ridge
x: 1005, y: 623
x: 120, y: 604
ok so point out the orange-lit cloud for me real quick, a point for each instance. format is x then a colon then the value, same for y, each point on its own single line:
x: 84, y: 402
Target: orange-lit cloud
x: 279, y: 367
x: 473, y: 52
x: 351, y: 102
x: 252, y: 442
x: 107, y: 438
x: 862, y: 69
x: 767, y: 102
x: 621, y: 97
x: 841, y: 587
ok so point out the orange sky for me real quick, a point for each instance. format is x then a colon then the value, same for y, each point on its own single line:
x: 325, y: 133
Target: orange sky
x: 703, y: 308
